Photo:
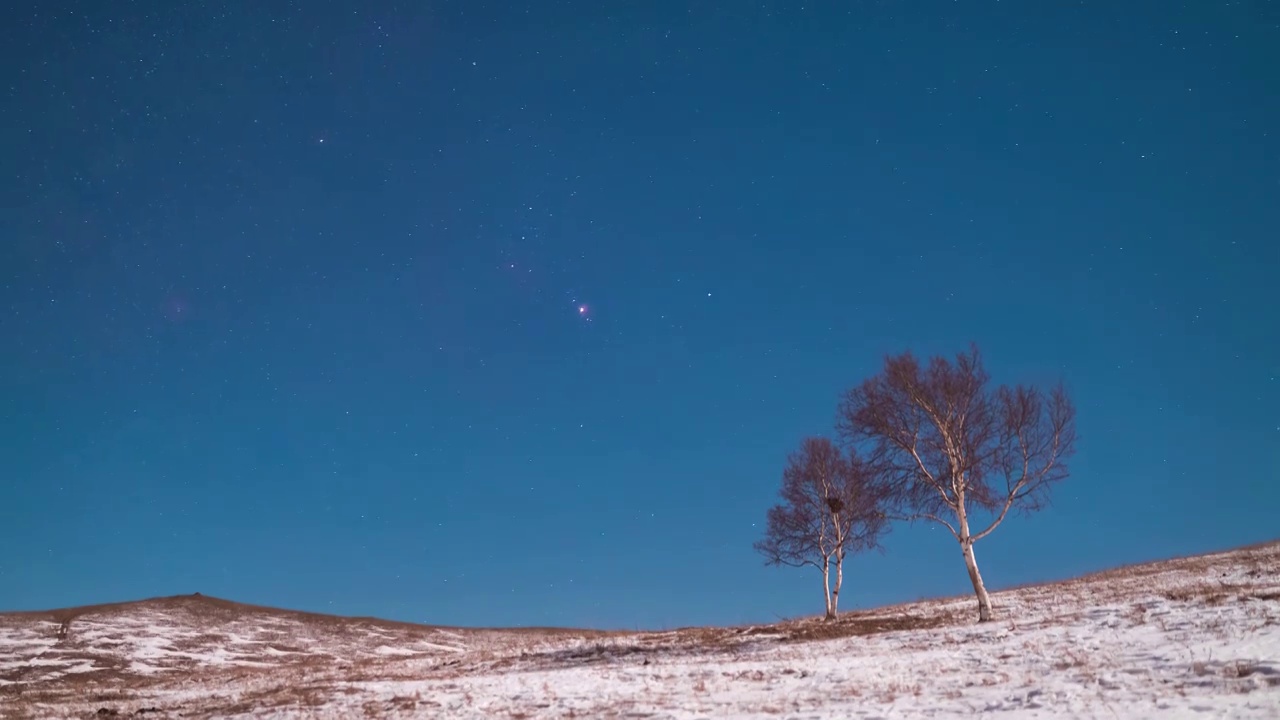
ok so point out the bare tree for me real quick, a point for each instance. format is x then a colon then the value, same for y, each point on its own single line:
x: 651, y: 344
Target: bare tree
x: 945, y: 444
x: 828, y: 510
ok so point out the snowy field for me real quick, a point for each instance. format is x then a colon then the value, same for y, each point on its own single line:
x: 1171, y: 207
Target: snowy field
x: 1189, y: 638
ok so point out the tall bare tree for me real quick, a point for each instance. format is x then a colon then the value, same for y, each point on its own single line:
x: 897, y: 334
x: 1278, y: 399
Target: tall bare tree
x: 946, y: 444
x: 828, y: 510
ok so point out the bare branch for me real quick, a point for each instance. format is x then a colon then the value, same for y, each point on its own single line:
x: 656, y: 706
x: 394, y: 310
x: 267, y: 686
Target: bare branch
x: 947, y: 525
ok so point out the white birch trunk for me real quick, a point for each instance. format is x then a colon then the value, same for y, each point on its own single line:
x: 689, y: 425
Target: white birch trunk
x: 971, y: 564
x: 975, y: 577
x: 835, y: 595
x: 826, y: 588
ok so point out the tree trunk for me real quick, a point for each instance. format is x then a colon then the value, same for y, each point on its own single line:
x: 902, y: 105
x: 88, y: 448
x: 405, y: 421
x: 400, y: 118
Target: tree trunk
x: 826, y: 589
x: 971, y: 564
x: 835, y: 595
x: 975, y: 577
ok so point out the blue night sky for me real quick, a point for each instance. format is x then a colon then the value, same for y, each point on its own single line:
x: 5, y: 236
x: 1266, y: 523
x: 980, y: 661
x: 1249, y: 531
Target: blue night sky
x: 510, y: 313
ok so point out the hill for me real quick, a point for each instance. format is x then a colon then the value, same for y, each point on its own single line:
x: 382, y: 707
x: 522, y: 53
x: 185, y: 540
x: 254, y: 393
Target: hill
x: 1189, y: 637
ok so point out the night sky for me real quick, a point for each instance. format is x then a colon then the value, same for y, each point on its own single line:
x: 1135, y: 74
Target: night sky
x: 509, y: 313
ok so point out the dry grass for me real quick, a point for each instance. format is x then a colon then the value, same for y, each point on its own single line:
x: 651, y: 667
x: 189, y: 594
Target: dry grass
x: 865, y: 623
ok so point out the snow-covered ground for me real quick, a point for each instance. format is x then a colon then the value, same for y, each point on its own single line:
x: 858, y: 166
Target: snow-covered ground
x: 1190, y: 638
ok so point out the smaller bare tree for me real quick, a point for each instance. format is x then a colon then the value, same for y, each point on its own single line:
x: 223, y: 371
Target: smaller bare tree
x: 828, y: 509
x: 946, y: 445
